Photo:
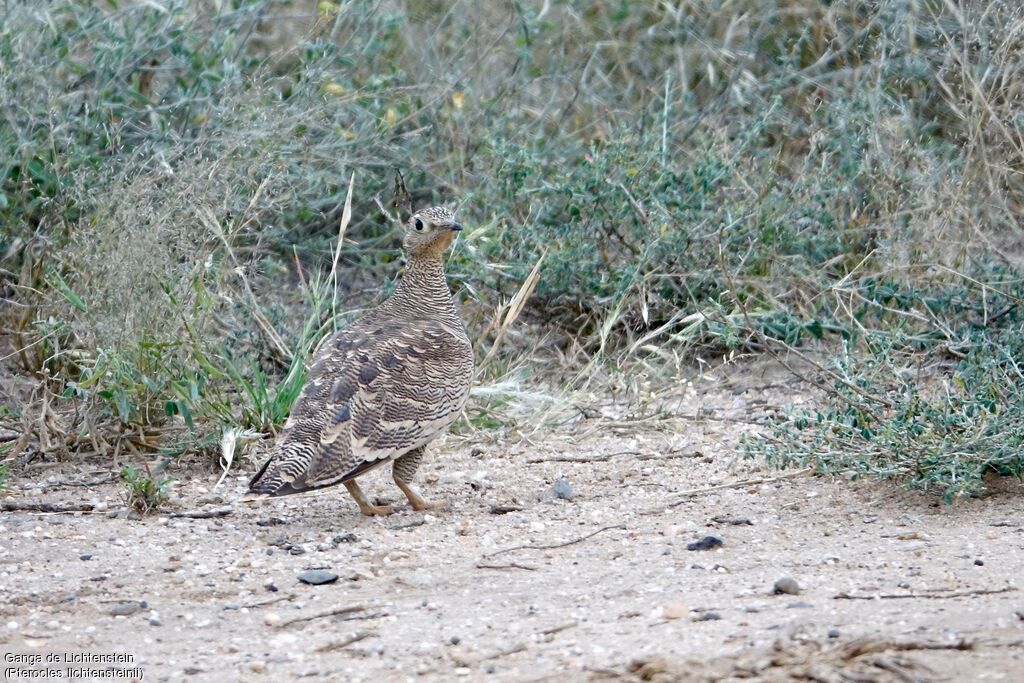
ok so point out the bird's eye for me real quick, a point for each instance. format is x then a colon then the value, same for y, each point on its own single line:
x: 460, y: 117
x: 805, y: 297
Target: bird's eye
x: 418, y: 224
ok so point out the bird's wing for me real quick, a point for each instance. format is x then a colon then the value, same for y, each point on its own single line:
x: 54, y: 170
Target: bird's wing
x: 372, y: 395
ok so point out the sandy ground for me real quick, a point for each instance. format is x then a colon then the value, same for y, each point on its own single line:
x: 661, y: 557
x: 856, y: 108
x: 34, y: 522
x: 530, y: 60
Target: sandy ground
x: 599, y: 585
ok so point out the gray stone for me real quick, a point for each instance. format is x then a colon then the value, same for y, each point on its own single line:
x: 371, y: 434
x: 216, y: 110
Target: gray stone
x: 124, y: 609
x: 561, y: 489
x: 786, y: 585
x: 317, y: 577
x: 706, y: 543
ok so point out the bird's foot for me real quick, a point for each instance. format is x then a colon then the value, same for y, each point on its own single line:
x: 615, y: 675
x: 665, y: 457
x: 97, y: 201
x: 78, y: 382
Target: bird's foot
x: 416, y: 500
x: 376, y: 510
x: 365, y: 506
x: 420, y: 504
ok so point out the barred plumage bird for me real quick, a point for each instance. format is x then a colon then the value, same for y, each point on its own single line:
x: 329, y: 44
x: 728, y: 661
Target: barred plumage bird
x: 384, y: 387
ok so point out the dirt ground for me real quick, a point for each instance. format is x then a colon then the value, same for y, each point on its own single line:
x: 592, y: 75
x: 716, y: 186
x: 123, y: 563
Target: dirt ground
x: 523, y: 580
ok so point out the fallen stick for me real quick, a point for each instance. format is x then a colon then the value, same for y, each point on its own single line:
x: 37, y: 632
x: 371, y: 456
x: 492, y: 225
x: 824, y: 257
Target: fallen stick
x: 202, y: 514
x: 337, y: 611
x: 933, y: 596
x: 556, y: 545
x: 17, y: 506
x: 604, y: 457
x: 721, y: 487
x: 254, y: 605
x: 338, y: 645
x: 558, y: 629
x: 511, y: 565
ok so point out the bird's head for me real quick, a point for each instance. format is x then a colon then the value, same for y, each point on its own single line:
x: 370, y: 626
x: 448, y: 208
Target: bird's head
x: 430, y: 232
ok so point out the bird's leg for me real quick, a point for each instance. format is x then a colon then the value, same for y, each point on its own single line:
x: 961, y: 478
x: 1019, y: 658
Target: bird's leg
x: 364, y: 505
x: 403, y: 471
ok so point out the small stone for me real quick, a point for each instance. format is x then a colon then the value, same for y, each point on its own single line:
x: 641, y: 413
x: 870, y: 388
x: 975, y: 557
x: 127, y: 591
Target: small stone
x: 70, y: 597
x: 271, y: 588
x: 271, y: 619
x: 786, y: 585
x: 85, y: 558
x: 833, y: 633
x: 562, y: 489
x: 317, y: 577
x: 257, y: 667
x: 799, y: 604
x: 706, y: 543
x: 710, y: 616
x: 455, y: 640
x: 345, y: 538
x: 124, y: 609
x: 154, y: 620
x: 674, y: 610
x: 491, y: 668
x: 979, y: 563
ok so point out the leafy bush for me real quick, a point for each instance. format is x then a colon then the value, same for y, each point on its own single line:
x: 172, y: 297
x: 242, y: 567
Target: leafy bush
x: 884, y: 417
x: 739, y: 175
x: 143, y: 492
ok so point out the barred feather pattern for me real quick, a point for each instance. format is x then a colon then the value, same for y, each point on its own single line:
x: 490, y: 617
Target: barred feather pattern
x: 382, y: 388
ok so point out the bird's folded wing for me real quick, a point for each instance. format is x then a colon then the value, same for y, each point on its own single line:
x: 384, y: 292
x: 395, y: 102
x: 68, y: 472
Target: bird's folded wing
x: 389, y: 397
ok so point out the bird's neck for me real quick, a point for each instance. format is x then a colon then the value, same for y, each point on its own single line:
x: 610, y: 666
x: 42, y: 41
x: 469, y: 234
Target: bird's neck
x: 424, y: 284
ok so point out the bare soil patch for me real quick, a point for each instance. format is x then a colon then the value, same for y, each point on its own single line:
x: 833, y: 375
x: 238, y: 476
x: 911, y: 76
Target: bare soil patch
x: 523, y: 580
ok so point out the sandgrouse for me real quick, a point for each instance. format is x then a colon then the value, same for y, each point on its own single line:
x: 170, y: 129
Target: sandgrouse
x: 384, y: 387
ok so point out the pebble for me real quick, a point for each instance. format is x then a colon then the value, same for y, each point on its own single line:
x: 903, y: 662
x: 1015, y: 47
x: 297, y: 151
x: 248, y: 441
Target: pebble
x: 710, y: 616
x: 317, y: 577
x: 799, y: 604
x: 787, y: 585
x: 124, y: 609
x: 979, y: 563
x: 85, y: 558
x: 455, y: 640
x: 706, y: 543
x: 257, y: 667
x: 562, y: 489
x: 833, y: 633
x: 272, y: 619
x: 674, y: 610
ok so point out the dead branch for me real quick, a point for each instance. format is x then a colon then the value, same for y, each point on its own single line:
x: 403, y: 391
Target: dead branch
x: 337, y: 611
x: 254, y: 605
x: 558, y: 629
x: 500, y: 509
x: 555, y: 545
x: 338, y: 645
x: 932, y: 596
x: 511, y: 565
x: 604, y: 457
x: 721, y: 487
x: 202, y: 514
x: 18, y: 506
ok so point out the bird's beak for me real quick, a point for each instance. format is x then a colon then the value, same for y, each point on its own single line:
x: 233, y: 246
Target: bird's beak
x: 456, y: 227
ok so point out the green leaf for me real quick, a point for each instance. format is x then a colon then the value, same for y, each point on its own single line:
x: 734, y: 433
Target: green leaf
x: 65, y: 290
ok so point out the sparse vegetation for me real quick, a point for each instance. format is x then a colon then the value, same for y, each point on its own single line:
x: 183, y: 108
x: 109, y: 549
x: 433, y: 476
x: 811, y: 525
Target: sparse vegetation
x: 701, y: 178
x: 144, y: 492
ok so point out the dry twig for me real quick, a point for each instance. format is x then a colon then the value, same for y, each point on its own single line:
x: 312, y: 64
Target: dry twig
x: 510, y: 565
x: 202, y: 514
x: 555, y: 545
x: 337, y: 611
x: 721, y: 487
x: 932, y: 596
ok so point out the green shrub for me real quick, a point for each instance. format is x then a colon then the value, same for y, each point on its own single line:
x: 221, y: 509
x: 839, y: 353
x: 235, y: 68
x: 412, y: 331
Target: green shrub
x: 709, y: 176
